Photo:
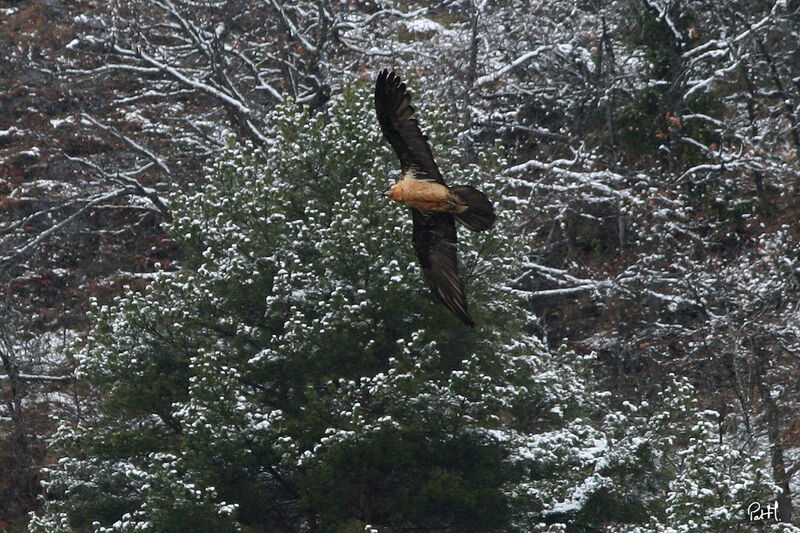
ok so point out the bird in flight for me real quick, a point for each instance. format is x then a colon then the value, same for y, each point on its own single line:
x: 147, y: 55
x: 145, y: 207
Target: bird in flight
x: 435, y: 207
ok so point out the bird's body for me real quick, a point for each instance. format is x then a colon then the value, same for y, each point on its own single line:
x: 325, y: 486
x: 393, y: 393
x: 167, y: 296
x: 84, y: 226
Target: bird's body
x: 424, y: 195
x: 435, y: 207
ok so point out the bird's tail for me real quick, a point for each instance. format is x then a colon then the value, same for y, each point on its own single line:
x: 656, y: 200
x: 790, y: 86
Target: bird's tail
x: 479, y: 213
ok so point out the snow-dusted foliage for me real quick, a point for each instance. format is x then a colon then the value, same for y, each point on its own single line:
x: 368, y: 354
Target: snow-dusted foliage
x: 297, y: 374
x: 711, y: 480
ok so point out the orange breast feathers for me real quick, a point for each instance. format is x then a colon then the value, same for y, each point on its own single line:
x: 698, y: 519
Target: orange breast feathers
x: 424, y: 195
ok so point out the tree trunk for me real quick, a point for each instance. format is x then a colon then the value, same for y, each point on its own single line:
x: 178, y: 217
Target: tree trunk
x: 772, y: 418
x: 20, y: 481
x: 472, y: 69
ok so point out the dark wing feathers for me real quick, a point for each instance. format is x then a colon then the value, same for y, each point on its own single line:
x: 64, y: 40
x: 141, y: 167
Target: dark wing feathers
x: 393, y: 106
x: 435, y: 243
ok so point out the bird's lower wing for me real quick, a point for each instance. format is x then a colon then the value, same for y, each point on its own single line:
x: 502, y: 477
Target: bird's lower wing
x: 435, y: 243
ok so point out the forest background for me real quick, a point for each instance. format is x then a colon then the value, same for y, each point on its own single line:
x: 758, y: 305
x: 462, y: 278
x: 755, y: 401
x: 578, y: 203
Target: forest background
x: 636, y: 363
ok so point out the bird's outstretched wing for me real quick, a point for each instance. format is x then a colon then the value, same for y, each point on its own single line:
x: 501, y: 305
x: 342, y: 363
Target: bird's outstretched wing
x: 393, y: 106
x: 435, y: 243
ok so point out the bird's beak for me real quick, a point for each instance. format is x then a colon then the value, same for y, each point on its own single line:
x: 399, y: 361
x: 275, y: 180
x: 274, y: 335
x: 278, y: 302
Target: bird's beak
x: 386, y: 191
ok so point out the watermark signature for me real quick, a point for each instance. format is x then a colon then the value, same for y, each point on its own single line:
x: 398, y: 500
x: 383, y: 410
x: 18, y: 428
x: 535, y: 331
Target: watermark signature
x: 758, y: 513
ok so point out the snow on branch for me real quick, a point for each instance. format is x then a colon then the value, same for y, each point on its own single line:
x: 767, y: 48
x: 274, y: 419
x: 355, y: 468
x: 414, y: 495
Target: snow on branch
x: 761, y: 23
x: 190, y: 29
x: 238, y: 105
x: 126, y: 179
x: 713, y: 48
x: 394, y: 13
x: 112, y: 67
x: 41, y: 237
x: 560, y: 277
x: 38, y: 378
x: 556, y: 274
x: 293, y: 28
x: 663, y: 15
x: 593, y: 179
x: 561, y: 292
x: 130, y: 142
x: 697, y: 85
x: 483, y: 80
